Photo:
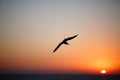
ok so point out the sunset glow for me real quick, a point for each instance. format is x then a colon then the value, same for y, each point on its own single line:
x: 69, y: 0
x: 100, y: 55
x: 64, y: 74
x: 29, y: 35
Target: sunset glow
x: 31, y: 29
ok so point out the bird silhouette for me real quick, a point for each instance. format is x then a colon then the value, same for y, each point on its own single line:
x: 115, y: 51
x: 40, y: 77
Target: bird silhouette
x: 64, y: 42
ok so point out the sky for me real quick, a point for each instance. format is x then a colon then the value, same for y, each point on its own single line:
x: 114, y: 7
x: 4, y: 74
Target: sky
x: 31, y: 29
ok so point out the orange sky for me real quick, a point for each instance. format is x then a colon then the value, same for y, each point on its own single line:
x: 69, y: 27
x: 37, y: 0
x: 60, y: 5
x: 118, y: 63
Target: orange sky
x: 30, y: 30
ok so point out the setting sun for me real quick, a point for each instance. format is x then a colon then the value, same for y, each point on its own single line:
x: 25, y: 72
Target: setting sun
x: 103, y: 71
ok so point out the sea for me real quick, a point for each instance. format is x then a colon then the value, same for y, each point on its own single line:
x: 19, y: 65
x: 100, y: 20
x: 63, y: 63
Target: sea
x: 58, y: 77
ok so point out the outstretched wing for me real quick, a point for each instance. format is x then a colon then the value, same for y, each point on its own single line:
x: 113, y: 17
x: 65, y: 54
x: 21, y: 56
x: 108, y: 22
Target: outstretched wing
x: 58, y: 46
x: 69, y: 38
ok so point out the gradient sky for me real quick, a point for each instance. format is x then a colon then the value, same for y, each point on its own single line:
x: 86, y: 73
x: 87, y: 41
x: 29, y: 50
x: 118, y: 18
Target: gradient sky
x: 31, y: 29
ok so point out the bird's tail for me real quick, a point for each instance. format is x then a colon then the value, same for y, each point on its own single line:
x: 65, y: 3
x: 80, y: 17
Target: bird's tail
x: 66, y: 43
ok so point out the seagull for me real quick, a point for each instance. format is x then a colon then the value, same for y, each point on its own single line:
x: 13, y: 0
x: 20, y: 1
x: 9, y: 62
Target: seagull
x: 65, y: 42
